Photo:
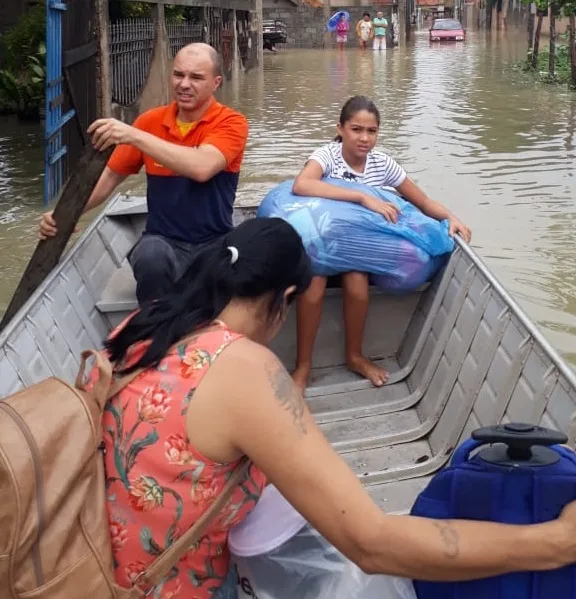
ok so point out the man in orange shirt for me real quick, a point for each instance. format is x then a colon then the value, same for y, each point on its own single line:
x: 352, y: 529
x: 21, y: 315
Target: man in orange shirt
x: 192, y: 150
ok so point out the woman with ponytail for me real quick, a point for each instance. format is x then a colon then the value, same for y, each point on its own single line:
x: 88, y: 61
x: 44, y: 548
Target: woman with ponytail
x: 169, y: 436
x: 208, y: 393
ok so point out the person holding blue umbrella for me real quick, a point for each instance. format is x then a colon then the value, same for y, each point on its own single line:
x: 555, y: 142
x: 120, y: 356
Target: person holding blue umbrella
x: 340, y: 23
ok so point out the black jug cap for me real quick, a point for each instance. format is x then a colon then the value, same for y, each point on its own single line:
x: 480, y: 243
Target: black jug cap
x: 518, y: 443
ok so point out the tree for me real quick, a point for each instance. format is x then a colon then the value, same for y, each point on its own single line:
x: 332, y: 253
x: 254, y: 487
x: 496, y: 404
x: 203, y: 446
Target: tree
x: 552, y: 51
x: 569, y: 10
x: 534, y: 43
x: 557, y: 55
x: 541, y: 12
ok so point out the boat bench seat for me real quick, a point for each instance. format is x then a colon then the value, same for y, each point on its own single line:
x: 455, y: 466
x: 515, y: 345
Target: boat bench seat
x: 119, y: 295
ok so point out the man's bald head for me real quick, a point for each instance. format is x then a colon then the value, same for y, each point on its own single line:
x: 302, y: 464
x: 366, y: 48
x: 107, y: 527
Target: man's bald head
x: 196, y: 75
x: 199, y: 49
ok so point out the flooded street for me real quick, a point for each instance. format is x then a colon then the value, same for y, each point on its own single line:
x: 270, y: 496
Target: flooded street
x: 498, y: 152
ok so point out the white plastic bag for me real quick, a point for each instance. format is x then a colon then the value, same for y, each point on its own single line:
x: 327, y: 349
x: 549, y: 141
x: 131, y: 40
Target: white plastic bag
x: 307, y: 566
x: 353, y: 583
x: 279, y: 556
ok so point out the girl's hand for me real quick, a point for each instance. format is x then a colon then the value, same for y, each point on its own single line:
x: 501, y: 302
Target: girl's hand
x: 388, y: 210
x: 457, y: 226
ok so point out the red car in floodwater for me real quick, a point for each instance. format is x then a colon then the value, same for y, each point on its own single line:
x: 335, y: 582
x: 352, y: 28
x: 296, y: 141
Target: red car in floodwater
x: 447, y: 30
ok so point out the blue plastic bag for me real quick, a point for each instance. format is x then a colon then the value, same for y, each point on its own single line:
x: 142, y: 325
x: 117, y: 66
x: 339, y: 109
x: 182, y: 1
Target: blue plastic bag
x: 344, y: 236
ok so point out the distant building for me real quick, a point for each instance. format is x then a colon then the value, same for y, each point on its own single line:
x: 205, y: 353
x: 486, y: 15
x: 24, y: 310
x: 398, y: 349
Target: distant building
x: 305, y: 20
x: 435, y: 9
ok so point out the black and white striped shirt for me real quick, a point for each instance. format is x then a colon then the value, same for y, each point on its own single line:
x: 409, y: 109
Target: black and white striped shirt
x: 380, y: 169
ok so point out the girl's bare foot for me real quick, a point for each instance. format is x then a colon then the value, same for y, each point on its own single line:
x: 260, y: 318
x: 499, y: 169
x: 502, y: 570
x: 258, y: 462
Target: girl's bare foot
x: 366, y: 368
x: 300, y: 377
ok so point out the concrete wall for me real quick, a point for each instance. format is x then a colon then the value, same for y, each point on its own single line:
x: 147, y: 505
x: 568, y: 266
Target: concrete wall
x: 562, y: 26
x: 306, y: 25
x: 515, y: 13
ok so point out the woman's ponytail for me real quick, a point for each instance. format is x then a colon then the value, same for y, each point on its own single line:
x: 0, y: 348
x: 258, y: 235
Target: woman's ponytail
x: 196, y: 299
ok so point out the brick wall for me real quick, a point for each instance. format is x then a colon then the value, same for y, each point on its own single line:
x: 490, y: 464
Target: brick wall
x: 306, y: 25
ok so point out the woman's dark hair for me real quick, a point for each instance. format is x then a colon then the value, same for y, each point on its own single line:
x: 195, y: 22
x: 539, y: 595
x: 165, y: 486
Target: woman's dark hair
x: 270, y: 259
x: 366, y: 14
x: 356, y: 104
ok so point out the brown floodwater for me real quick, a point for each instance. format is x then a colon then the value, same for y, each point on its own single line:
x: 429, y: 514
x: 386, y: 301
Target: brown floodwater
x: 497, y: 150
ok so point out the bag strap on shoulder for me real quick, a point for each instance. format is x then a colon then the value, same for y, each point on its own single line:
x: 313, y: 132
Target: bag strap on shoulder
x: 161, y: 567
x: 102, y: 385
x: 106, y: 387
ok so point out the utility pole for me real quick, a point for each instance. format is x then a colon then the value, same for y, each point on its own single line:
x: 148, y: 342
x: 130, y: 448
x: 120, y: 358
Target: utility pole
x: 401, y: 22
x: 259, y: 34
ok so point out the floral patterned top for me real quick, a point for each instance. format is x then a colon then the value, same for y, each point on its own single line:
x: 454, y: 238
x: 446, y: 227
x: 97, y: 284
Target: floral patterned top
x: 158, y: 483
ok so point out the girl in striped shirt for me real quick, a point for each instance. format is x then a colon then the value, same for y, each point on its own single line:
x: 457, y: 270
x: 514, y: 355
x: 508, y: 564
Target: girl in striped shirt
x: 352, y: 157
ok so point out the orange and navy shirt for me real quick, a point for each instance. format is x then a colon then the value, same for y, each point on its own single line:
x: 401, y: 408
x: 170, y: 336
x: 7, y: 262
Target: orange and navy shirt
x: 179, y: 207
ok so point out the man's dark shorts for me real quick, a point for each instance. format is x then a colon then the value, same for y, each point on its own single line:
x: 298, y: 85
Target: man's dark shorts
x: 157, y: 262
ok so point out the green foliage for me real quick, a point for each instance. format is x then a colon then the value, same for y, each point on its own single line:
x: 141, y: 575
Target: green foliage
x: 174, y: 13
x: 22, y: 40
x: 136, y: 10
x: 22, y: 90
x: 540, y: 4
x: 568, y: 8
x: 23, y: 53
x: 123, y: 9
x: 562, y: 65
x: 565, y: 7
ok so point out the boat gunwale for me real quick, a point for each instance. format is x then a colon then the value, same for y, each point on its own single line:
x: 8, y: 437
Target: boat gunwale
x: 22, y: 313
x: 520, y: 313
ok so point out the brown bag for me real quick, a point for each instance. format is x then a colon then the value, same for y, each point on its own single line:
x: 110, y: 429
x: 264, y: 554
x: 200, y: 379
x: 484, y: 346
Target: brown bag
x: 54, y: 532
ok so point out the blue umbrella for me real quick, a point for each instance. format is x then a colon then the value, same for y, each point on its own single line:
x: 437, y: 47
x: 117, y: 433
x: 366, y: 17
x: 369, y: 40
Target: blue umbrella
x: 333, y: 20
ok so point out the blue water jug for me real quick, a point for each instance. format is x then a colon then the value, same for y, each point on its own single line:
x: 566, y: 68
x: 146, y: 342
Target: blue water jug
x: 520, y: 475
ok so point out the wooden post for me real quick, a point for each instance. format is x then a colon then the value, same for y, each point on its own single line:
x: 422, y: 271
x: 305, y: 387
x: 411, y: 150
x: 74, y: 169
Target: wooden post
x: 572, y: 43
x: 205, y: 28
x: 71, y: 205
x: 552, y: 54
x: 105, y: 81
x: 537, y: 34
x: 531, y: 20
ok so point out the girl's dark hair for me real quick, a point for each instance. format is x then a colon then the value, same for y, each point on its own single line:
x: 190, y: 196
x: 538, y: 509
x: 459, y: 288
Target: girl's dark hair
x: 271, y: 258
x: 356, y: 104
